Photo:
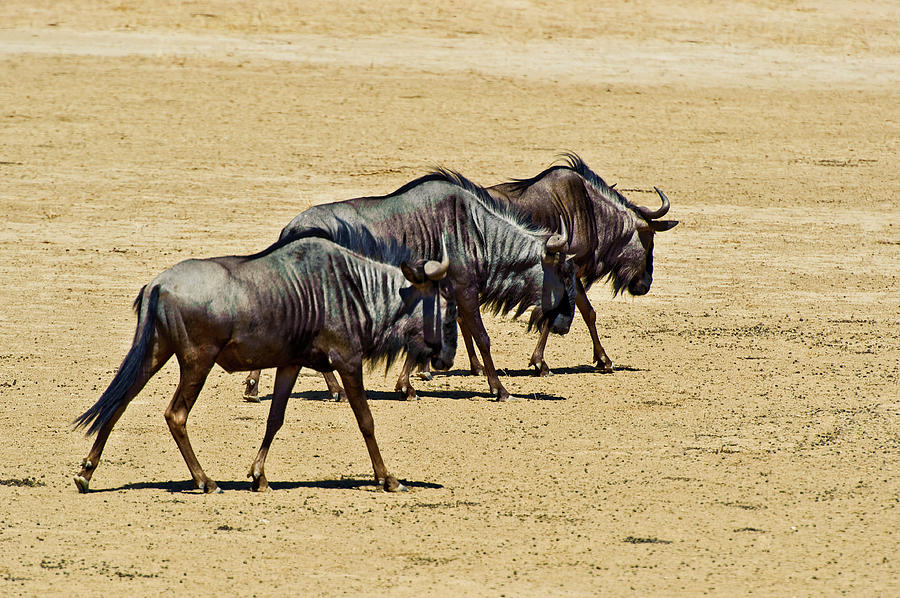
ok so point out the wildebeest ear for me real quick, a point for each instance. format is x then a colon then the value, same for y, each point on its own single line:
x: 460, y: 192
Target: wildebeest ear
x: 662, y: 225
x: 412, y: 275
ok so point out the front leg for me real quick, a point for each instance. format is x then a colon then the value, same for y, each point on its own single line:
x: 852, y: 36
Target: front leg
x: 403, y: 386
x: 285, y: 377
x: 470, y: 316
x: 351, y: 376
x: 537, y: 358
x: 602, y: 361
x: 474, y: 365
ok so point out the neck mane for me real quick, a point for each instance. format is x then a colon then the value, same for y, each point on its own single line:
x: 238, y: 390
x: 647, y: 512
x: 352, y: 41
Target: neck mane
x: 510, y: 273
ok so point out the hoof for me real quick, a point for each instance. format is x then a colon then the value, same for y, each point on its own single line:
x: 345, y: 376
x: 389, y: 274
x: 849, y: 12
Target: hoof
x: 339, y: 397
x: 392, y: 484
x: 82, y: 484
x: 504, y: 397
x: 540, y: 367
x: 259, y: 483
x: 425, y: 376
x: 407, y: 393
x: 209, y: 488
x: 541, y: 372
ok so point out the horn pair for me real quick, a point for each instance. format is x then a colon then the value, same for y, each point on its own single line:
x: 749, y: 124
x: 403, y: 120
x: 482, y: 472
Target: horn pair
x: 558, y: 242
x: 649, y: 214
x: 437, y: 270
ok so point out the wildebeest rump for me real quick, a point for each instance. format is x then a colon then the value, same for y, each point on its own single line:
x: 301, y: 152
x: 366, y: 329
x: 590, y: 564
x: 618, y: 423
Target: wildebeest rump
x: 609, y: 236
x: 304, y: 301
x: 497, y: 257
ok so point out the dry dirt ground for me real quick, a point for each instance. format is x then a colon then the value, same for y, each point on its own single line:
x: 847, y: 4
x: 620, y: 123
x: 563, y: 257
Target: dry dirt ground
x: 747, y: 442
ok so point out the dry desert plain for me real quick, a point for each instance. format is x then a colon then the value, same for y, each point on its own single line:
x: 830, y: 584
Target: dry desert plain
x: 747, y: 442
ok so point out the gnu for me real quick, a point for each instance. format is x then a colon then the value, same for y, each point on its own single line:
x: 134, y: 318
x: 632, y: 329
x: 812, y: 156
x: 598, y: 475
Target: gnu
x: 609, y: 237
x: 303, y: 302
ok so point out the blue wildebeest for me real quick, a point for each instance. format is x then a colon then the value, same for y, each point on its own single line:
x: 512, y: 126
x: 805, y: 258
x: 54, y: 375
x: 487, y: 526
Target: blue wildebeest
x: 304, y: 301
x: 498, y: 258
x: 609, y: 236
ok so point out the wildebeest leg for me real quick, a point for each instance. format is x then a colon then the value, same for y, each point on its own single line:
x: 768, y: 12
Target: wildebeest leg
x: 537, y: 358
x: 403, y: 386
x: 470, y: 317
x: 193, y: 376
x: 251, y: 392
x: 474, y: 364
x: 356, y: 394
x: 155, y: 360
x: 334, y: 388
x: 285, y: 377
x: 604, y: 363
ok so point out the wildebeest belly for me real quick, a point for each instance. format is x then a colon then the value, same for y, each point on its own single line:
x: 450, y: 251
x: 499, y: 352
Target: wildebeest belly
x: 244, y: 356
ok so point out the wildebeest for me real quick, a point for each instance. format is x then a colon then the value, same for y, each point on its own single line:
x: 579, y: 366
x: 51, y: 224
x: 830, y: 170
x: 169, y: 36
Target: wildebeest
x: 497, y: 257
x: 304, y: 301
x: 609, y: 236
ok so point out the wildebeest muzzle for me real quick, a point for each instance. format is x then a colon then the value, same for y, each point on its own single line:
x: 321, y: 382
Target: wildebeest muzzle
x: 427, y: 279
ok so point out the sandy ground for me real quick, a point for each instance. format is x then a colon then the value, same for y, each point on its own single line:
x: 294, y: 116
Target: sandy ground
x: 747, y: 442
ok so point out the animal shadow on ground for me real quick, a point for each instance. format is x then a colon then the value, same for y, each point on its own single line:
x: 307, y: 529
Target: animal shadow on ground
x: 187, y: 486
x: 380, y: 395
x: 529, y: 372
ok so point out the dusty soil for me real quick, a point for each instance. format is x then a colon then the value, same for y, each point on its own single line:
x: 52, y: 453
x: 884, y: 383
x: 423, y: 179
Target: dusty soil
x: 748, y: 440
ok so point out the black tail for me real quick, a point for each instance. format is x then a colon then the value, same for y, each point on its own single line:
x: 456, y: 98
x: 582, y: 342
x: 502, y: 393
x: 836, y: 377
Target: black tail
x: 117, y: 391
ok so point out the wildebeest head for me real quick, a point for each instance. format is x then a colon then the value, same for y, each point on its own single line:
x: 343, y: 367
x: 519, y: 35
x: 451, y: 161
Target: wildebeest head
x: 432, y: 290
x: 633, y: 268
x: 558, y: 294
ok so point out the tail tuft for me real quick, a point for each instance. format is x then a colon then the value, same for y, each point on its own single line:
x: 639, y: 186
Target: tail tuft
x: 117, y: 392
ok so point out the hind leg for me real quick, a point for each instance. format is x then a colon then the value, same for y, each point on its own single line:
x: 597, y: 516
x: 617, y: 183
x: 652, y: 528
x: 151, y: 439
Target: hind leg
x: 285, y: 377
x: 156, y: 360
x: 193, y: 376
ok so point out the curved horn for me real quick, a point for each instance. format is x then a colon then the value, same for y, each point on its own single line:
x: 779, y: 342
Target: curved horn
x: 560, y: 241
x: 437, y: 270
x: 654, y: 214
